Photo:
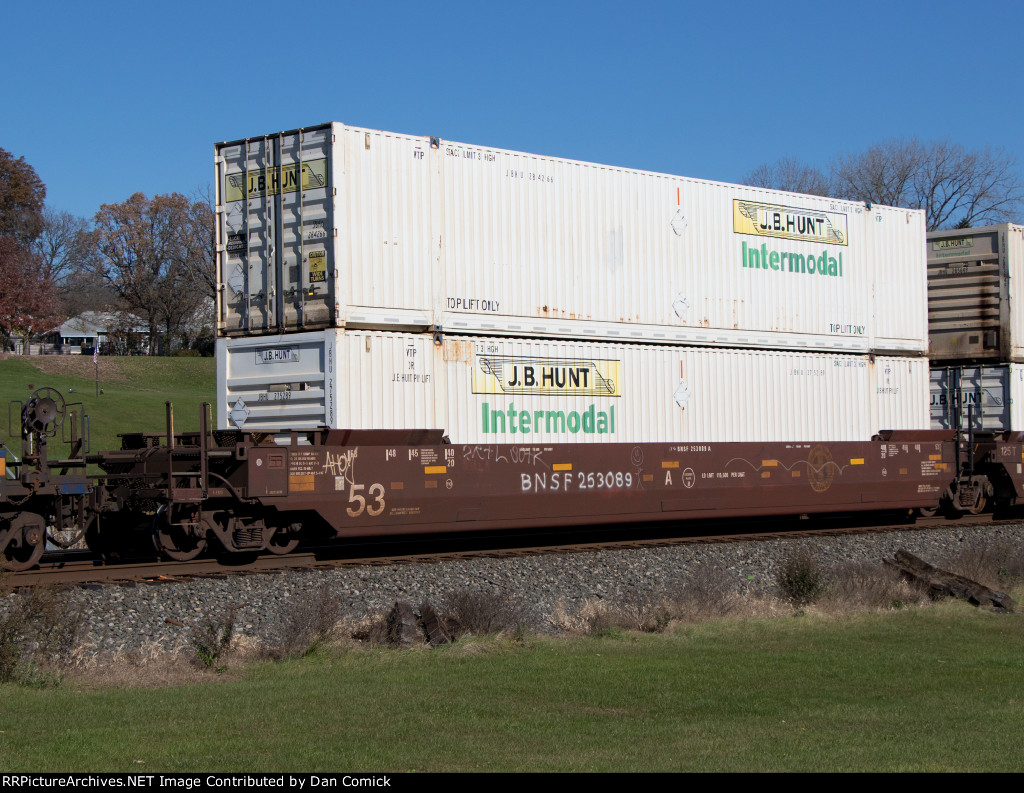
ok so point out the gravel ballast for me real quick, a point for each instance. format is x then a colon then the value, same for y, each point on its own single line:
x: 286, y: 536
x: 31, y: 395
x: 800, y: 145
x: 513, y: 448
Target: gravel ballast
x: 160, y: 617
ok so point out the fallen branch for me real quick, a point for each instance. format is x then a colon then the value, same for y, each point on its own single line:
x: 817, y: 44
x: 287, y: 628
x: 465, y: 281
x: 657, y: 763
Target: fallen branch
x: 942, y: 583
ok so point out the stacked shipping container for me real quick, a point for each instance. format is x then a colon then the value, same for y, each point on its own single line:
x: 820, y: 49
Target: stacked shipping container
x: 975, y: 290
x: 502, y: 258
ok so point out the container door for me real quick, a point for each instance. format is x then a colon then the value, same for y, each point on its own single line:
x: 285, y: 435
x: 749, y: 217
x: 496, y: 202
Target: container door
x: 976, y: 397
x: 275, y: 235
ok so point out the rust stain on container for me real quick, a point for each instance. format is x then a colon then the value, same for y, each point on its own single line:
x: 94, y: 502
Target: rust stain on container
x: 455, y: 351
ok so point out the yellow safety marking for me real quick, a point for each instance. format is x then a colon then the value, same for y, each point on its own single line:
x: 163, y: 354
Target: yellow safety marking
x: 3, y: 465
x: 766, y: 474
x: 669, y: 463
x: 934, y: 456
x: 398, y: 485
x: 301, y: 482
x: 769, y: 463
x: 941, y: 466
x: 648, y: 477
x: 795, y: 473
x: 561, y: 467
x: 435, y: 469
x: 430, y: 483
x: 857, y: 461
x: 903, y: 471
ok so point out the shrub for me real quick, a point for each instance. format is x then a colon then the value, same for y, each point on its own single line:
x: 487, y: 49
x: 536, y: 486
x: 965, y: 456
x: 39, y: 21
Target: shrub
x: 309, y: 624
x: 999, y: 564
x: 39, y: 631
x: 478, y: 612
x: 801, y: 578
x: 866, y: 585
x: 212, y: 638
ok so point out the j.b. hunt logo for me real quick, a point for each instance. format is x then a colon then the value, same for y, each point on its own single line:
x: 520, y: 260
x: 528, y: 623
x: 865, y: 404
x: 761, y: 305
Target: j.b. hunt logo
x: 275, y: 179
x: 789, y: 223
x: 566, y: 377
x: 507, y: 374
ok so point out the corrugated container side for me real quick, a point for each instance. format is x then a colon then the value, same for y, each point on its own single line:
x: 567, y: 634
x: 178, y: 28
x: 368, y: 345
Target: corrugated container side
x: 900, y: 385
x: 1016, y: 378
x: 539, y: 246
x: 425, y: 233
x: 494, y: 390
x: 900, y: 299
x: 984, y: 395
x: 385, y: 261
x: 1014, y: 268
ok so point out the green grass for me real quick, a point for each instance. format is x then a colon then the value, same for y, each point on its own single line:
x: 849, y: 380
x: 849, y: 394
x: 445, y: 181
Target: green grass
x: 135, y: 390
x: 935, y: 689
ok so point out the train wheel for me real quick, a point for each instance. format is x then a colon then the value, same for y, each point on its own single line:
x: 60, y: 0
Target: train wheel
x: 282, y: 542
x: 175, y: 541
x: 31, y: 543
x: 979, y: 507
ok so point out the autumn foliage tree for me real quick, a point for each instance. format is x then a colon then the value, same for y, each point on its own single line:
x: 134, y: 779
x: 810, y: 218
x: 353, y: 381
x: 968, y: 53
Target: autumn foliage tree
x: 22, y: 194
x: 154, y: 253
x: 28, y: 300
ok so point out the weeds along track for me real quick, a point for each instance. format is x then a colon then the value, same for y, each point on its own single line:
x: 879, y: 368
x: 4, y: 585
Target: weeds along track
x: 85, y: 569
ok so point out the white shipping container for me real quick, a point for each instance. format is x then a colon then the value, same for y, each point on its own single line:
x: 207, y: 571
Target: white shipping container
x: 486, y: 389
x: 337, y: 226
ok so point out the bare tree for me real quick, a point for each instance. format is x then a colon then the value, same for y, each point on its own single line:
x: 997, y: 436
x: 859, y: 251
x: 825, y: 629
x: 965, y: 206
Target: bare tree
x: 955, y: 186
x: 67, y: 252
x: 959, y: 188
x: 149, y: 256
x: 791, y: 175
x: 198, y: 240
x: 63, y: 244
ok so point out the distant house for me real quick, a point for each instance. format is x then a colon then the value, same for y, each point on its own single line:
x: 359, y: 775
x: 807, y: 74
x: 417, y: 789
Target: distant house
x: 114, y: 334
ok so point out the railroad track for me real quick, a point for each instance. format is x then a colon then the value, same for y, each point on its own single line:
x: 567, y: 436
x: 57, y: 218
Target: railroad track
x: 77, y: 569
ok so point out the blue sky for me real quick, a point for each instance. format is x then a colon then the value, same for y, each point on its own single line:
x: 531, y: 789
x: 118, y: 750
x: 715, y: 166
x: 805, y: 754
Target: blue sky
x: 105, y: 99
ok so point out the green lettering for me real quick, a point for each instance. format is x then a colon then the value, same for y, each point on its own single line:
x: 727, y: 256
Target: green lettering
x: 557, y: 416
x: 786, y: 261
x: 588, y: 419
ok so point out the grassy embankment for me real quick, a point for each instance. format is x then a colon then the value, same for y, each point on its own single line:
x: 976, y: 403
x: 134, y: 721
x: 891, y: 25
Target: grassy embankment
x: 923, y: 689
x: 135, y: 390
